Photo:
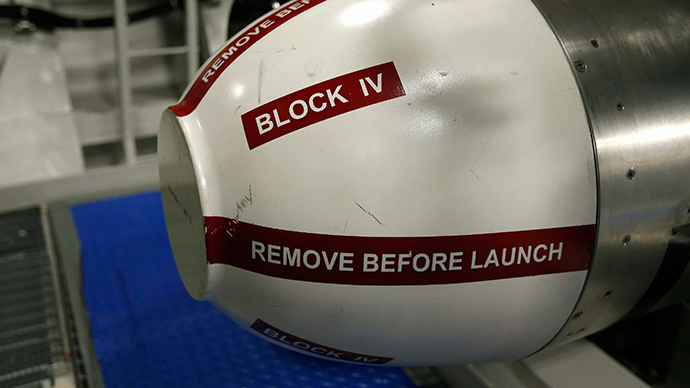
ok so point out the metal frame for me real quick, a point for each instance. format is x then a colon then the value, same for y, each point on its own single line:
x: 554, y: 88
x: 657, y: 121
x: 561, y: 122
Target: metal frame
x: 579, y: 364
x: 93, y: 184
x: 55, y: 275
x: 69, y: 250
x: 124, y: 54
x: 62, y: 241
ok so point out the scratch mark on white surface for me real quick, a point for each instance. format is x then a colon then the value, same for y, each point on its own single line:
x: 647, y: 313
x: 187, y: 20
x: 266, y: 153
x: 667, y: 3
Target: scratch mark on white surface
x: 500, y: 120
x: 492, y: 134
x: 477, y: 176
x: 368, y: 212
x: 244, y: 203
x: 347, y: 219
x: 313, y: 67
x: 262, y: 70
x: 558, y: 92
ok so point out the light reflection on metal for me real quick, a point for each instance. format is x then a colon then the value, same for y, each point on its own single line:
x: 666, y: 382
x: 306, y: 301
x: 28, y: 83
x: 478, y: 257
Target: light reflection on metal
x: 636, y: 92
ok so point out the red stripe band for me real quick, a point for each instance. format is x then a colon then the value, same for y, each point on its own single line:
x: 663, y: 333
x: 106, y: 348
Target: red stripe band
x: 234, y: 48
x: 391, y: 261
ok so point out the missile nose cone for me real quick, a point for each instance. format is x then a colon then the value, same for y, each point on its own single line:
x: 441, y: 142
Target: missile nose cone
x: 394, y: 180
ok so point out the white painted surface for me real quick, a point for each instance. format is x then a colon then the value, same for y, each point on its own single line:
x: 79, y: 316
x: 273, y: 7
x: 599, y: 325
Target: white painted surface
x: 416, y: 325
x: 490, y: 137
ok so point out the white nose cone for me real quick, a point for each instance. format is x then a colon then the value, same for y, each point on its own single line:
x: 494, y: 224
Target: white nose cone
x: 386, y: 182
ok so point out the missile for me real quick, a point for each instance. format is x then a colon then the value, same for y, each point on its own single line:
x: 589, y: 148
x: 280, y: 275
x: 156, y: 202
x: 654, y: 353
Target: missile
x: 395, y: 182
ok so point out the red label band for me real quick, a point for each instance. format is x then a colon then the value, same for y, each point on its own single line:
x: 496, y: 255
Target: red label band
x: 298, y: 343
x: 397, y: 260
x: 236, y: 47
x: 320, y: 102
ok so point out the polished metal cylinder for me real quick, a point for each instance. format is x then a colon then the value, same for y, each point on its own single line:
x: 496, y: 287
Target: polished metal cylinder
x: 631, y: 60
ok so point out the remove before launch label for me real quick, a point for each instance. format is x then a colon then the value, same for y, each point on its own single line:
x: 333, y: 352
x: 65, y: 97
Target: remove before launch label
x: 234, y: 48
x: 320, y: 102
x: 298, y: 343
x: 397, y: 260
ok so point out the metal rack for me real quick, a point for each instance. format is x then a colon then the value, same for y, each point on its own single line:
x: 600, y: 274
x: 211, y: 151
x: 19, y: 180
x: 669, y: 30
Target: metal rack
x: 34, y: 339
x: 124, y: 54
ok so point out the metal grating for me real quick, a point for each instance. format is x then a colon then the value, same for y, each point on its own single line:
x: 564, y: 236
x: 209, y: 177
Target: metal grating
x: 33, y: 347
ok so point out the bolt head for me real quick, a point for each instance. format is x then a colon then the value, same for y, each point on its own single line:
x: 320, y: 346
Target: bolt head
x: 580, y: 66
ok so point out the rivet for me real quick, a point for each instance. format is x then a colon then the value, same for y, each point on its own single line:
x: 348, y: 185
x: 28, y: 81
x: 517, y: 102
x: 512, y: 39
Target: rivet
x: 580, y: 66
x: 594, y: 43
x: 620, y: 106
x: 24, y: 26
x: 626, y: 239
x: 630, y: 174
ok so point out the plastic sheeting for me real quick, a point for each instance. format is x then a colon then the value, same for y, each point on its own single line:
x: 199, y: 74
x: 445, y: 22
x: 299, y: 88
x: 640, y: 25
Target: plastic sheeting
x: 38, y: 134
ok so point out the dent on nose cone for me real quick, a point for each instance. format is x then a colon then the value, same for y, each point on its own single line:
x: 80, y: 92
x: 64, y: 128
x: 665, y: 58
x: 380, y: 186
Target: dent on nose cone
x: 421, y: 193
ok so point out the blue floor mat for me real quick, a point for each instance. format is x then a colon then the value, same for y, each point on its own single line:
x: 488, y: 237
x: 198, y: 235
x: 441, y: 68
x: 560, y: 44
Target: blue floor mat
x: 148, y: 332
